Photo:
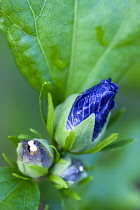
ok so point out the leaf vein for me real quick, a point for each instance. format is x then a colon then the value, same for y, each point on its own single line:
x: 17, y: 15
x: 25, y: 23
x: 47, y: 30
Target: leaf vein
x: 37, y: 37
x: 16, y: 24
x: 11, y: 191
x: 94, y: 70
x: 41, y: 10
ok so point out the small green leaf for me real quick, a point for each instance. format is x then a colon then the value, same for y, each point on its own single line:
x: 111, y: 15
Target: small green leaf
x: 59, y: 186
x: 114, y: 118
x: 44, y: 93
x: 50, y: 116
x: 47, y: 207
x: 89, y: 167
x: 21, y: 177
x: 39, y: 169
x: 58, y: 181
x: 15, y: 140
x: 17, y: 193
x: 70, y: 193
x: 24, y: 136
x: 11, y: 163
x: 85, y: 180
x: 69, y: 141
x: 101, y: 144
x: 62, y: 161
x: 57, y: 154
x: 36, y: 133
x: 119, y: 144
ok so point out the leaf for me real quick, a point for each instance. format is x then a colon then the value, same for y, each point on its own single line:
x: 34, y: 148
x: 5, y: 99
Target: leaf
x: 69, y: 192
x: 38, y: 169
x: 11, y: 163
x: 36, y: 133
x: 58, y: 181
x: 15, y: 140
x: 50, y: 116
x: 44, y: 92
x: 119, y: 144
x: 69, y: 141
x: 62, y: 161
x: 21, y: 177
x: 24, y: 136
x: 101, y: 144
x: 17, y: 193
x: 89, y: 167
x: 72, y: 44
x: 57, y: 154
x: 85, y: 180
x: 114, y: 118
x: 47, y: 207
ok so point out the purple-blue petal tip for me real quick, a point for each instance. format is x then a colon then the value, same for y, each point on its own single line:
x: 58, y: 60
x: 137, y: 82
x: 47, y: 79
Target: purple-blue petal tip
x: 98, y: 100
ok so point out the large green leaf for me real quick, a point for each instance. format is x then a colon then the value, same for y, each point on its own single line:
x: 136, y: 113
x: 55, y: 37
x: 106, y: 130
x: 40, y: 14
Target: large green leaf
x: 17, y: 193
x: 73, y: 44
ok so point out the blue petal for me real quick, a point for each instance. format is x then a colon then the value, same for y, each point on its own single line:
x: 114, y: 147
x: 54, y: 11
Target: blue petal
x: 98, y: 100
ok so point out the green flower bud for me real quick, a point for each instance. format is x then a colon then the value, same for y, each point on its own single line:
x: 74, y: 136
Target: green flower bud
x: 70, y: 169
x: 34, y: 153
x: 83, y: 131
x: 84, y: 116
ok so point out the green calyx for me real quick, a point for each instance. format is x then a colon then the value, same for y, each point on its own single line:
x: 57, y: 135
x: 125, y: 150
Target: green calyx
x: 79, y: 138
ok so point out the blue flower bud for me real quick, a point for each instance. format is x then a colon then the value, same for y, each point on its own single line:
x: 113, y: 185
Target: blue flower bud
x: 70, y: 169
x: 86, y: 115
x: 34, y: 152
x: 98, y: 100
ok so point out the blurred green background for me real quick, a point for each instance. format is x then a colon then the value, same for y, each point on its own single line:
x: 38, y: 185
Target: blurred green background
x: 116, y: 183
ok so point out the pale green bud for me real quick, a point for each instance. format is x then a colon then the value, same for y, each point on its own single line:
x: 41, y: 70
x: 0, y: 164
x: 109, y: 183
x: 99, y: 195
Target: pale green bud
x: 31, y: 153
x: 83, y: 132
x: 70, y: 169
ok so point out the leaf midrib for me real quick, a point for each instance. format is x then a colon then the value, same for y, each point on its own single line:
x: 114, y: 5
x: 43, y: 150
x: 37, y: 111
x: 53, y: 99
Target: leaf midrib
x: 73, y: 49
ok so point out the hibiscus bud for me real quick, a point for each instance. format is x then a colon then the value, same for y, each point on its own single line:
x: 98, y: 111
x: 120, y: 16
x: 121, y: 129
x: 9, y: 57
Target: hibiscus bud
x: 86, y: 115
x: 34, y: 152
x: 70, y: 169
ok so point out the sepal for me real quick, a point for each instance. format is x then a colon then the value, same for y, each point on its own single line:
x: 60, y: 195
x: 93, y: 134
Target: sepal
x: 98, y: 147
x: 79, y: 138
x: 118, y: 144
